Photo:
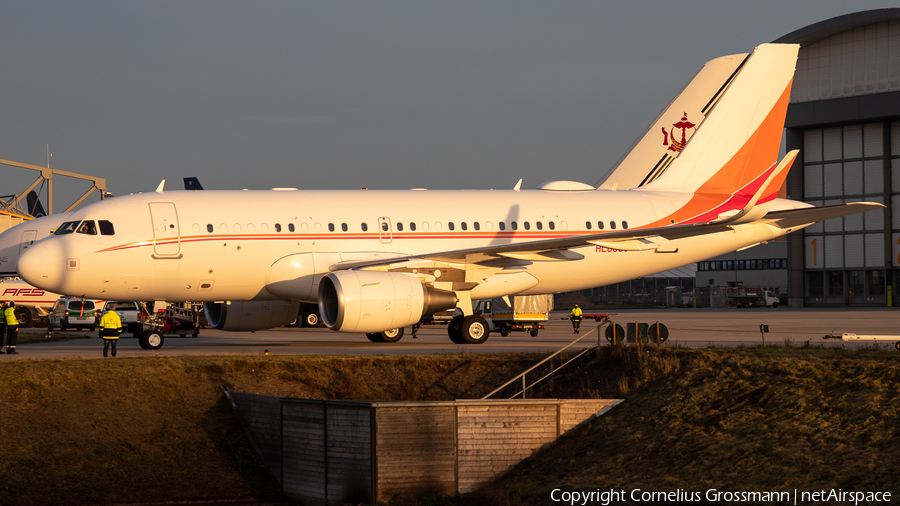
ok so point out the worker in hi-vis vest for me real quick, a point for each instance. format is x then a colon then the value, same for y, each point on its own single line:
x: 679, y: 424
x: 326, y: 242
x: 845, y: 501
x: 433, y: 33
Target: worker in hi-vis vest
x: 110, y: 328
x: 576, y: 318
x: 2, y: 326
x: 12, y: 328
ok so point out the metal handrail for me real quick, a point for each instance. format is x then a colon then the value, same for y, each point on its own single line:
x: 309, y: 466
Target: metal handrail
x: 522, y: 375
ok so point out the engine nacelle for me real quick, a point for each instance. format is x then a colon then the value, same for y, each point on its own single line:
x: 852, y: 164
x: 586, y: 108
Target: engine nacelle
x: 252, y: 315
x: 373, y: 301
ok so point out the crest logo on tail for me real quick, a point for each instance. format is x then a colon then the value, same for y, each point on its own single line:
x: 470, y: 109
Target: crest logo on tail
x: 684, y: 125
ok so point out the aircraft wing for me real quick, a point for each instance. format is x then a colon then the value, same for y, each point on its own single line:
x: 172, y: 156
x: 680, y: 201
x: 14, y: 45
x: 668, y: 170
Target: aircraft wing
x: 659, y: 238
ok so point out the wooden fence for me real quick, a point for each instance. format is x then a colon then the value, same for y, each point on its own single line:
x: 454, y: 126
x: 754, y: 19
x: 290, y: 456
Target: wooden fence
x: 337, y: 452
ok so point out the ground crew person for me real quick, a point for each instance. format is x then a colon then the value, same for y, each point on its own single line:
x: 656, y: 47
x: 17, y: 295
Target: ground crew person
x: 576, y: 318
x: 110, y: 328
x: 2, y: 326
x: 12, y: 328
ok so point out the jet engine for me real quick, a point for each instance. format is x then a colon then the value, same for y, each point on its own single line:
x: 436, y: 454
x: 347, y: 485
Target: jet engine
x: 374, y: 301
x: 252, y: 315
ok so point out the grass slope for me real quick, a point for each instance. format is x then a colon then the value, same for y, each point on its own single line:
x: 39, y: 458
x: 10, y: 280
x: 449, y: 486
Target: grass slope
x: 154, y: 429
x: 761, y: 419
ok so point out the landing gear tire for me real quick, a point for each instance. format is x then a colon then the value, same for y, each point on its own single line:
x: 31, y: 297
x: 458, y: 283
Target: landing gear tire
x: 312, y: 320
x: 453, y: 329
x: 897, y: 345
x: 504, y: 329
x: 151, y: 340
x: 375, y: 337
x: 392, y: 335
x: 474, y: 329
x: 26, y: 320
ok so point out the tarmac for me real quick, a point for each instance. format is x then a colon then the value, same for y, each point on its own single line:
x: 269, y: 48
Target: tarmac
x: 687, y: 327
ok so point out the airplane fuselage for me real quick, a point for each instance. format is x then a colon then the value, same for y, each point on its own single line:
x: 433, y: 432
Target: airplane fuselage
x: 226, y: 245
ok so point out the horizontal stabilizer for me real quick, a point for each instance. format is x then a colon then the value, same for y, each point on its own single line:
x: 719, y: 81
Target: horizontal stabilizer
x: 792, y: 218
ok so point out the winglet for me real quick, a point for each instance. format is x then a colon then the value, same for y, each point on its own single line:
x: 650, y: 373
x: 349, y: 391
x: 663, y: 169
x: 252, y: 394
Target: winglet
x: 159, y: 189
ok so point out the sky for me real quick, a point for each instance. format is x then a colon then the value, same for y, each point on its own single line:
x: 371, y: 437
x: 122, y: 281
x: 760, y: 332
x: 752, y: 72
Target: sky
x: 344, y: 95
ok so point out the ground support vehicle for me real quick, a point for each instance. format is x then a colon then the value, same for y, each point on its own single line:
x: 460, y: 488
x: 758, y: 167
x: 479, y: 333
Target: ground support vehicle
x: 597, y: 317
x: 176, y: 318
x: 746, y: 297
x: 131, y: 314
x: 71, y: 312
x: 523, y: 313
x: 439, y: 318
x: 854, y: 337
x: 33, y: 305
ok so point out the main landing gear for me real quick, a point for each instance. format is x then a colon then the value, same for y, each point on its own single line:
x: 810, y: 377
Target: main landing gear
x: 472, y: 329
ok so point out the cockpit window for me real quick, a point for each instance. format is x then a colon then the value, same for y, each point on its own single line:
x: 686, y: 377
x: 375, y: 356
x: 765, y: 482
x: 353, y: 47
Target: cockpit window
x: 106, y: 228
x: 87, y: 227
x: 67, y: 228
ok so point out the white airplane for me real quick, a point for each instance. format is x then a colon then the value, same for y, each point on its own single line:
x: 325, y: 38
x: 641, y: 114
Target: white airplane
x: 15, y: 240
x: 376, y: 261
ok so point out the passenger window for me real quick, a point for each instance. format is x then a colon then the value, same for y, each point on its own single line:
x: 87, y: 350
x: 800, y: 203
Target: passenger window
x: 527, y: 226
x: 237, y: 227
x: 450, y: 225
x: 290, y: 227
x: 209, y: 228
x: 612, y: 225
x: 331, y: 227
x: 502, y: 225
x: 67, y: 228
x: 399, y: 226
x: 384, y: 226
x: 251, y: 228
x: 464, y: 226
x: 600, y: 225
x: 264, y: 227
x: 539, y: 226
x: 587, y: 225
x: 87, y: 227
x: 278, y: 227
x: 625, y: 224
x: 552, y: 226
x: 476, y: 225
x: 412, y: 226
x: 515, y: 226
x: 304, y: 227
x: 364, y: 227
x: 425, y: 226
x: 343, y: 227
x: 106, y: 228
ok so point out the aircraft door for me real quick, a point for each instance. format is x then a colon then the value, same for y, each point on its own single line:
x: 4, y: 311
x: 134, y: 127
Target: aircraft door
x: 385, y: 232
x: 28, y: 238
x: 166, y: 233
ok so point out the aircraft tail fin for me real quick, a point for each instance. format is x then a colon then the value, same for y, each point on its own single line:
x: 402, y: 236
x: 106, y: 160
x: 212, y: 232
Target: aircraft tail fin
x: 740, y: 138
x: 192, y: 183
x: 735, y: 150
x: 666, y: 136
x: 35, y: 208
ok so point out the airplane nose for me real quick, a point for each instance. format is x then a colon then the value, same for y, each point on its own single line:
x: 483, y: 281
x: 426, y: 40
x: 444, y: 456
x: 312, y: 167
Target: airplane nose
x: 34, y: 266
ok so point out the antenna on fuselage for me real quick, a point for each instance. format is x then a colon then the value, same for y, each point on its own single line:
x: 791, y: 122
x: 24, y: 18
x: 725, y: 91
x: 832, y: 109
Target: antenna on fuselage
x: 517, y: 186
x: 159, y: 189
